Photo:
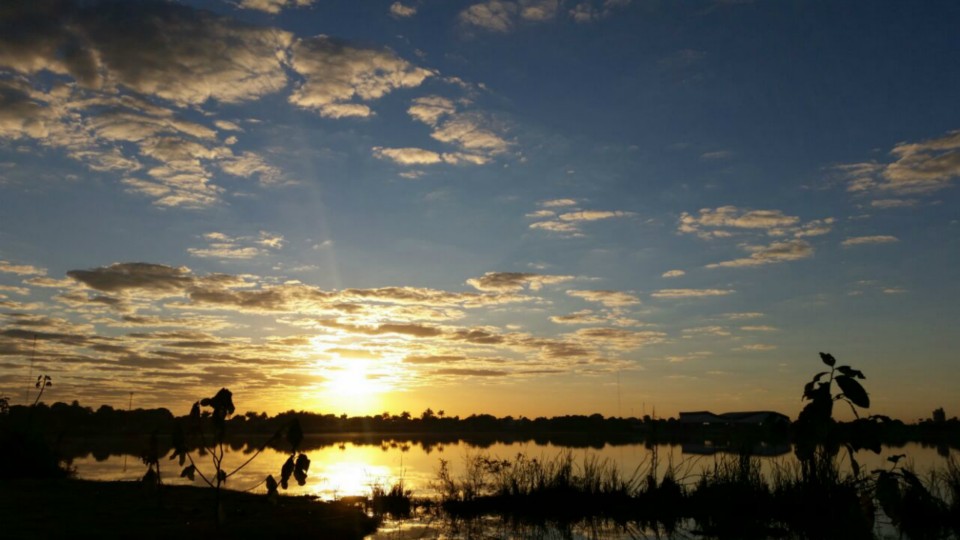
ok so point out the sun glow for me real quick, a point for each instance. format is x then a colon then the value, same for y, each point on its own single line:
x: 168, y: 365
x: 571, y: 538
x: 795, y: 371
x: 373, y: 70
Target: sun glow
x: 353, y: 386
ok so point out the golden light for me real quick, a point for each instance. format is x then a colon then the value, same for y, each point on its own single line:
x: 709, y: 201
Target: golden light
x: 353, y: 386
x: 346, y: 478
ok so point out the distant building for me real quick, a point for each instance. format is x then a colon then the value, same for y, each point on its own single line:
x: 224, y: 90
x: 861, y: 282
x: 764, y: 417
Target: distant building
x: 750, y: 418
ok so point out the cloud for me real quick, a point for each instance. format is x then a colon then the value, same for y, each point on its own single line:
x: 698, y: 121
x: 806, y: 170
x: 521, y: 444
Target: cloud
x: 493, y: 15
x: 180, y: 54
x: 408, y: 156
x: 558, y: 203
x: 334, y: 73
x: 250, y: 164
x: 673, y: 273
x: 618, y: 338
x: 568, y: 224
x: 776, y: 252
x: 611, y: 299
x: 893, y: 203
x: 690, y: 293
x: 595, y: 10
x: 710, y: 222
x: 593, y: 215
x: 273, y: 6
x: 757, y: 347
x: 430, y: 109
x: 514, y: 281
x: 21, y: 269
x: 915, y: 168
x: 221, y: 246
x: 399, y: 10
x: 863, y: 240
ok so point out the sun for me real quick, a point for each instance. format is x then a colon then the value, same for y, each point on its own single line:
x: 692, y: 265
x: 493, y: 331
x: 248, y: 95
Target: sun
x: 353, y: 386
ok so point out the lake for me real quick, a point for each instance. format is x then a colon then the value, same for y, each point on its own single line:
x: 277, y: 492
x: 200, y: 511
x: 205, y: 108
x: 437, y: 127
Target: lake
x: 340, y: 469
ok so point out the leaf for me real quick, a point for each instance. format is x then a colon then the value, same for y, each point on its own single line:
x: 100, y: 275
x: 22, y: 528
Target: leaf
x: 816, y: 378
x: 853, y: 391
x: 850, y: 372
x: 286, y: 471
x: 195, y: 411
x: 271, y: 485
x: 222, y: 476
x: 189, y: 472
x: 301, y: 468
x: 828, y: 359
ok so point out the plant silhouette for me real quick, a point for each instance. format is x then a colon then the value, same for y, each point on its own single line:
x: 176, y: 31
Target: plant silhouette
x: 221, y: 407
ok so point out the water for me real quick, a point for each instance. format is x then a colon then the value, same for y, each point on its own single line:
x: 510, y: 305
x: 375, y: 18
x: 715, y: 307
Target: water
x: 352, y: 469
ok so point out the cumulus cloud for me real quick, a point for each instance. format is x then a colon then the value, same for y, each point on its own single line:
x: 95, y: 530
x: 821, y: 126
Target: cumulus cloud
x: 408, y: 156
x: 558, y: 203
x: 712, y: 223
x: 610, y: 299
x: 476, y: 136
x: 776, y: 252
x: 21, y: 269
x: 569, y: 223
x: 863, y: 240
x: 673, y: 273
x: 915, y: 168
x: 335, y: 73
x: 183, y: 55
x: 398, y: 9
x: 514, y: 281
x: 493, y: 15
x: 593, y: 215
x: 690, y: 293
x: 273, y: 6
x: 222, y: 246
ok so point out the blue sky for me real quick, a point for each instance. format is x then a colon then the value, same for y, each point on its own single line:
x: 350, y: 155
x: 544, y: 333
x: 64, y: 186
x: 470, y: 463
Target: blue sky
x: 524, y: 207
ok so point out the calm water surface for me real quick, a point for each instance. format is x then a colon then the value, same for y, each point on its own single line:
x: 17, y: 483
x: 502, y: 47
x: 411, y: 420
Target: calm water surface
x: 346, y: 469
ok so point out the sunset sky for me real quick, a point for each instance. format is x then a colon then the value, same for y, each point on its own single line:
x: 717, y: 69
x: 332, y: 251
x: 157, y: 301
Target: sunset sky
x: 518, y: 207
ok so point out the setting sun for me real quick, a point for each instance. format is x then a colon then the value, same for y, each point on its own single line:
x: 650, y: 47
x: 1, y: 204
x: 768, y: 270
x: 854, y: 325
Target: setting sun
x: 351, y: 387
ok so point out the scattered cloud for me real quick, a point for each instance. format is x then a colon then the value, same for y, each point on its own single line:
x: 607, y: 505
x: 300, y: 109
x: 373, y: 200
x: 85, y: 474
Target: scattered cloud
x: 673, y: 273
x: 690, y: 293
x: 273, y: 6
x: 222, y: 246
x: 335, y: 73
x: 757, y: 347
x: 398, y: 9
x: 514, y: 281
x: 914, y: 168
x: 776, y: 252
x: 864, y: 240
x: 504, y: 16
x: 21, y: 269
x: 714, y: 223
x: 569, y: 223
x: 611, y: 299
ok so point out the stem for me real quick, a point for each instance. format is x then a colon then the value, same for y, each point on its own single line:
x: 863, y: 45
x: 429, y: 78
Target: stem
x: 257, y: 453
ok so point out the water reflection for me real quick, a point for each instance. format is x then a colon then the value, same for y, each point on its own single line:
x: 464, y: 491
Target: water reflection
x: 352, y: 468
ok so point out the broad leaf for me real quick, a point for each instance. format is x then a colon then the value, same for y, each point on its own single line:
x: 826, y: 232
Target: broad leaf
x: 853, y: 391
x: 189, y: 472
x: 850, y: 372
x: 828, y: 359
x: 286, y: 471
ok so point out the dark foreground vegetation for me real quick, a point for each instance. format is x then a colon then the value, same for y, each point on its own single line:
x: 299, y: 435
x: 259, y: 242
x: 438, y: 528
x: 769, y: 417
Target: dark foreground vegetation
x: 814, y: 499
x: 730, y: 500
x: 76, y: 508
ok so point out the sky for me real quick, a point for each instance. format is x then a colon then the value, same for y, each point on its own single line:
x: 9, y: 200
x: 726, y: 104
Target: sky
x: 515, y: 207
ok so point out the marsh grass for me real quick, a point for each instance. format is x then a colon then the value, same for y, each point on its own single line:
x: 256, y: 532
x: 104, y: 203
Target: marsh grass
x: 729, y: 498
